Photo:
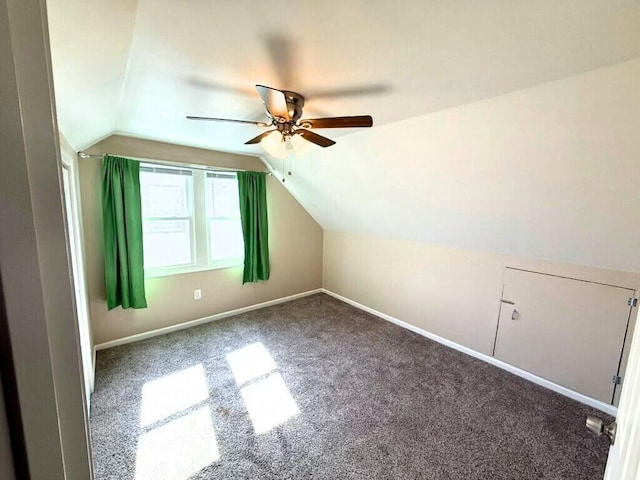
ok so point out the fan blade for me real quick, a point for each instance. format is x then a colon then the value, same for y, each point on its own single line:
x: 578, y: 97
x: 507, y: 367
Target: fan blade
x: 281, y: 50
x: 259, y: 124
x: 201, y: 82
x: 315, y: 138
x: 351, y: 91
x: 259, y: 137
x: 339, y: 122
x: 275, y: 102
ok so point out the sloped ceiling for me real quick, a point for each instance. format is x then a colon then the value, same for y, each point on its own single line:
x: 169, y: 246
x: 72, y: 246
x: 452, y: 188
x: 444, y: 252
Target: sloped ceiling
x: 90, y: 44
x: 541, y: 173
x: 139, y: 67
x: 506, y: 126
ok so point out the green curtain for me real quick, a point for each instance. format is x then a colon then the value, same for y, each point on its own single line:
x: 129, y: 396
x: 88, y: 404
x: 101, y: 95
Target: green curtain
x: 255, y: 230
x: 122, y: 221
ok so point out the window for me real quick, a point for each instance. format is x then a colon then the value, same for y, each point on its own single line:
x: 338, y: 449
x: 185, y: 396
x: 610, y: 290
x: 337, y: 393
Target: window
x: 191, y: 219
x: 224, y: 230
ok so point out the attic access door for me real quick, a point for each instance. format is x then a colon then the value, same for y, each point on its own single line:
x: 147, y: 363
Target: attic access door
x: 568, y: 331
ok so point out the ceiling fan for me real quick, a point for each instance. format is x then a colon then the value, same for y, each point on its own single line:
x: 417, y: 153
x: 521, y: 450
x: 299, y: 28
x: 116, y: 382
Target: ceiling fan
x: 284, y: 109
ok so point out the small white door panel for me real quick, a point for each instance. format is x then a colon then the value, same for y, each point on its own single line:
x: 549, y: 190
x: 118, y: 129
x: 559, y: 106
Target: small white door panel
x: 568, y: 331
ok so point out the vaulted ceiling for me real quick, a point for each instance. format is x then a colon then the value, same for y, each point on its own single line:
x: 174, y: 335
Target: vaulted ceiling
x: 138, y: 67
x: 483, y: 110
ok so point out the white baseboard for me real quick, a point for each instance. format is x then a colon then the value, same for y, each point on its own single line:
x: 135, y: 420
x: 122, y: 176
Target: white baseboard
x: 604, y: 407
x: 200, y: 321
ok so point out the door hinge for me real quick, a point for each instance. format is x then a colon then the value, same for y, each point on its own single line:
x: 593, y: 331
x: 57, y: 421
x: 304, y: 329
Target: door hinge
x: 632, y: 302
x: 616, y: 379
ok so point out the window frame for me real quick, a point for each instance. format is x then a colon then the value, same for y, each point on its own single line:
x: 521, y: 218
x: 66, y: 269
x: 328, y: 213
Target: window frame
x: 200, y: 258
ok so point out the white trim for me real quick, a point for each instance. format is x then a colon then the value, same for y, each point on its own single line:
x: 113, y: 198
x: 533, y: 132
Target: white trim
x: 77, y: 265
x: 157, y: 272
x: 93, y: 368
x: 200, y: 321
x: 604, y: 407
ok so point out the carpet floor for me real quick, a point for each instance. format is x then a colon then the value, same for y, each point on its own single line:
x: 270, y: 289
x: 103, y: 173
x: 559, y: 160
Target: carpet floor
x: 315, y: 388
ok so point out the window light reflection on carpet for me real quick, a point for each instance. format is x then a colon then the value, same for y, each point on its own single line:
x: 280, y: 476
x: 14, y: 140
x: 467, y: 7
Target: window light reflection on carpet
x: 172, y: 394
x: 266, y: 397
x: 269, y: 403
x: 178, y: 449
x: 250, y: 362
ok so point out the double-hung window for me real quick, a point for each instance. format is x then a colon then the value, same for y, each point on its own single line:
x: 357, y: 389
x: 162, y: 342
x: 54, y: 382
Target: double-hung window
x: 191, y: 219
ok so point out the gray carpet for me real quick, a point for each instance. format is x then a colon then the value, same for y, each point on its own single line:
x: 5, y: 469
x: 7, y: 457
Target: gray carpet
x: 317, y: 389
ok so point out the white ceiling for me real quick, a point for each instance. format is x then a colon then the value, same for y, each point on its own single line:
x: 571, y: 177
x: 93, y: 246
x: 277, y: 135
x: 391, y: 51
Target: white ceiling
x: 90, y: 43
x: 506, y: 126
x: 139, y: 67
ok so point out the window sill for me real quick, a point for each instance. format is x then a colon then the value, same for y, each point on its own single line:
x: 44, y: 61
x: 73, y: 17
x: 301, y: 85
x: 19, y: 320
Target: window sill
x: 167, y: 272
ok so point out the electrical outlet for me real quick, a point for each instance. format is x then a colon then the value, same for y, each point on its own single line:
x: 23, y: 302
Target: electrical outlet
x: 197, y: 294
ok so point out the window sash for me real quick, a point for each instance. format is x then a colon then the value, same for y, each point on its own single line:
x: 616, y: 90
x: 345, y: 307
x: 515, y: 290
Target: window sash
x: 153, y: 270
x: 211, y: 216
x: 157, y: 168
x: 153, y: 219
x: 189, y: 218
x: 179, y: 172
x: 210, y: 196
x: 238, y: 259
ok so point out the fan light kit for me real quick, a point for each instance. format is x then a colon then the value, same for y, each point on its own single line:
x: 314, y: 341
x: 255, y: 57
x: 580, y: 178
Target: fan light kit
x: 284, y: 109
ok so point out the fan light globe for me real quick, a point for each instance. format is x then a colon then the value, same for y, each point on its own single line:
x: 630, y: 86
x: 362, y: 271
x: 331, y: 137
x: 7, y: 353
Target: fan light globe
x: 300, y: 145
x: 274, y: 145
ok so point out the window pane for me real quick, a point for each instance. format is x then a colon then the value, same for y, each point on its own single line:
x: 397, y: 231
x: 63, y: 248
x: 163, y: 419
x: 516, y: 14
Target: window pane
x: 167, y: 243
x: 223, y: 196
x: 165, y: 194
x: 223, y: 212
x: 225, y: 239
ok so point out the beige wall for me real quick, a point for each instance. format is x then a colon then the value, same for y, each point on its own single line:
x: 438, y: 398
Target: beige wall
x: 451, y: 292
x: 295, y: 242
x: 536, y: 173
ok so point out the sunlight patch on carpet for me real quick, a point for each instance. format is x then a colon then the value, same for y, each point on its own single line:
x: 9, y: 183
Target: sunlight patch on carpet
x: 178, y: 449
x: 269, y: 403
x: 250, y: 362
x: 172, y: 393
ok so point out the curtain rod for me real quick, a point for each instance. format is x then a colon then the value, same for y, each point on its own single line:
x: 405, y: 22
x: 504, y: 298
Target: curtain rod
x: 167, y: 162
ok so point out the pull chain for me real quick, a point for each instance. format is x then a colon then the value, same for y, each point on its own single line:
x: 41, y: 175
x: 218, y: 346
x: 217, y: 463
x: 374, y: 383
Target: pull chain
x: 283, y: 179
